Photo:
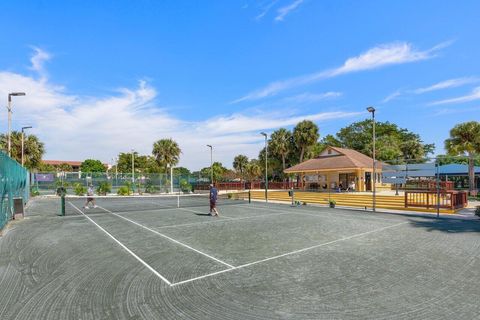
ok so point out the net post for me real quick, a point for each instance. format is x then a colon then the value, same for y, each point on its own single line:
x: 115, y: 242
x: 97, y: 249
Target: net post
x: 178, y: 201
x: 249, y: 196
x: 62, y: 206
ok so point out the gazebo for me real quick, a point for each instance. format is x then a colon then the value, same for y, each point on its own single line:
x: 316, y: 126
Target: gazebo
x: 337, y: 168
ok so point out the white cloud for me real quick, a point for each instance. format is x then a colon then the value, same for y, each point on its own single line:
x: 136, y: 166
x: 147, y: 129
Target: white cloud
x: 38, y: 60
x: 312, y: 97
x: 284, y: 11
x: 76, y: 127
x: 392, y: 96
x: 474, y: 95
x: 451, y: 83
x: 377, y: 57
x: 265, y: 9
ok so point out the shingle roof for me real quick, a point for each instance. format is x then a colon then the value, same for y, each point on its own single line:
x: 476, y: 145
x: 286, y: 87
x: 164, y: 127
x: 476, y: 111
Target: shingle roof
x: 347, y: 158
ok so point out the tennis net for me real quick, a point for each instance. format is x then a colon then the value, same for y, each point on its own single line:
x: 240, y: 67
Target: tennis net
x: 145, y: 203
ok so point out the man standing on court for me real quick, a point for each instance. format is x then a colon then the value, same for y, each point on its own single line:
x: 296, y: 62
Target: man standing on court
x: 213, y: 200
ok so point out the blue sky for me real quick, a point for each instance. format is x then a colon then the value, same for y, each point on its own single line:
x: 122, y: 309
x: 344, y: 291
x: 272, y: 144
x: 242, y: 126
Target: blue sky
x: 103, y: 77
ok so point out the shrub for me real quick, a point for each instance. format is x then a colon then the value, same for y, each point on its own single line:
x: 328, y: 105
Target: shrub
x: 123, y: 191
x: 129, y: 186
x: 477, y: 211
x: 104, y: 188
x: 185, y: 186
x: 34, y: 192
x: 79, y: 189
x: 150, y: 187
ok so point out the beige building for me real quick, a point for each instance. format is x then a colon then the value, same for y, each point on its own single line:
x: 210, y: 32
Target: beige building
x: 338, y: 168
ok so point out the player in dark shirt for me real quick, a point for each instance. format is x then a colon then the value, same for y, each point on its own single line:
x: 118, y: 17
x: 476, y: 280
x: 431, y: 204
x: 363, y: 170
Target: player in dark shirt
x: 213, y: 200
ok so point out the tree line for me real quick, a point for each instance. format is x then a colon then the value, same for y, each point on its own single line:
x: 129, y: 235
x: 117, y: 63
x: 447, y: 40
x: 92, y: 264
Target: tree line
x: 285, y: 148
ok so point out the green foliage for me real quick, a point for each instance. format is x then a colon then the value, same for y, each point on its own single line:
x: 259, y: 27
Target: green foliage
x: 280, y: 144
x: 181, y: 171
x: 129, y: 185
x: 33, y: 148
x: 34, y: 191
x: 166, y: 153
x: 253, y: 170
x: 104, y: 188
x: 61, y: 183
x: 305, y: 135
x: 79, y: 189
x: 91, y: 165
x: 185, y: 186
x: 465, y: 140
x: 150, y: 187
x: 218, y: 171
x: 64, y: 167
x: 392, y: 142
x: 447, y: 159
x: 142, y: 163
x: 43, y: 167
x: 123, y: 191
x: 239, y: 163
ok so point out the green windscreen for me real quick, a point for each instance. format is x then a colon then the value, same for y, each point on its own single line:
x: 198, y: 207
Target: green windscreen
x: 14, y: 183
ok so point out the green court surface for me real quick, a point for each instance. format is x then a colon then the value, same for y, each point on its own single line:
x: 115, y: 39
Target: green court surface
x: 255, y: 261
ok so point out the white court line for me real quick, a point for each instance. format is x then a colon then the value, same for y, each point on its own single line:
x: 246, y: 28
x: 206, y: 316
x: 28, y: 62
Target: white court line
x: 219, y: 220
x: 290, y: 253
x: 167, y: 237
x: 123, y: 246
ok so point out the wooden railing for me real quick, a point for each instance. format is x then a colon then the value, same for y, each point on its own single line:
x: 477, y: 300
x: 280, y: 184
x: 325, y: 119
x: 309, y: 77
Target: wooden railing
x: 430, y: 199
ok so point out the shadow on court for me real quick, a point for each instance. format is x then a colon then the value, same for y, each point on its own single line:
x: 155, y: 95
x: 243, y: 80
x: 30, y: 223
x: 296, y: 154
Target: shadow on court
x: 447, y: 225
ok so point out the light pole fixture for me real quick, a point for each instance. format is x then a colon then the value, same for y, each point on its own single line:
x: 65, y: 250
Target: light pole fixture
x: 9, y: 108
x: 211, y: 162
x: 374, y: 178
x: 23, y: 141
x: 266, y: 165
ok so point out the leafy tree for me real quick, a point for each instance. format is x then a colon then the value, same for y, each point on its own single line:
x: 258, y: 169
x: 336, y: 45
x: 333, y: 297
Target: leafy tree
x: 465, y: 140
x: 91, y: 165
x: 44, y: 167
x: 181, y: 171
x: 305, y: 135
x: 218, y: 171
x: 142, y: 163
x: 392, y: 142
x: 64, y: 167
x: 239, y: 163
x: 253, y: 170
x: 281, y: 144
x: 443, y: 159
x: 33, y: 149
x: 166, y: 152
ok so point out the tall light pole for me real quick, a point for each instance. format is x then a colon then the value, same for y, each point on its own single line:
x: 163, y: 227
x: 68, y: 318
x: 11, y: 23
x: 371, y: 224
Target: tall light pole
x: 9, y: 108
x: 374, y: 178
x: 211, y: 162
x: 133, y: 169
x: 23, y: 141
x: 266, y: 165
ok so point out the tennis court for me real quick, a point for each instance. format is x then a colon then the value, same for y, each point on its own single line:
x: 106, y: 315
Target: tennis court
x: 144, y: 259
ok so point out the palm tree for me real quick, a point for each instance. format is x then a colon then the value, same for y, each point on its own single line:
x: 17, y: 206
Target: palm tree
x: 166, y: 152
x: 239, y: 164
x: 253, y: 170
x: 33, y: 148
x: 465, y: 139
x: 280, y: 144
x: 305, y: 135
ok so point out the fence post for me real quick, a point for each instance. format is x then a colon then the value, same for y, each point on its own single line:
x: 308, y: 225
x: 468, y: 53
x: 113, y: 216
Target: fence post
x: 249, y: 196
x: 62, y: 206
x: 406, y: 202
